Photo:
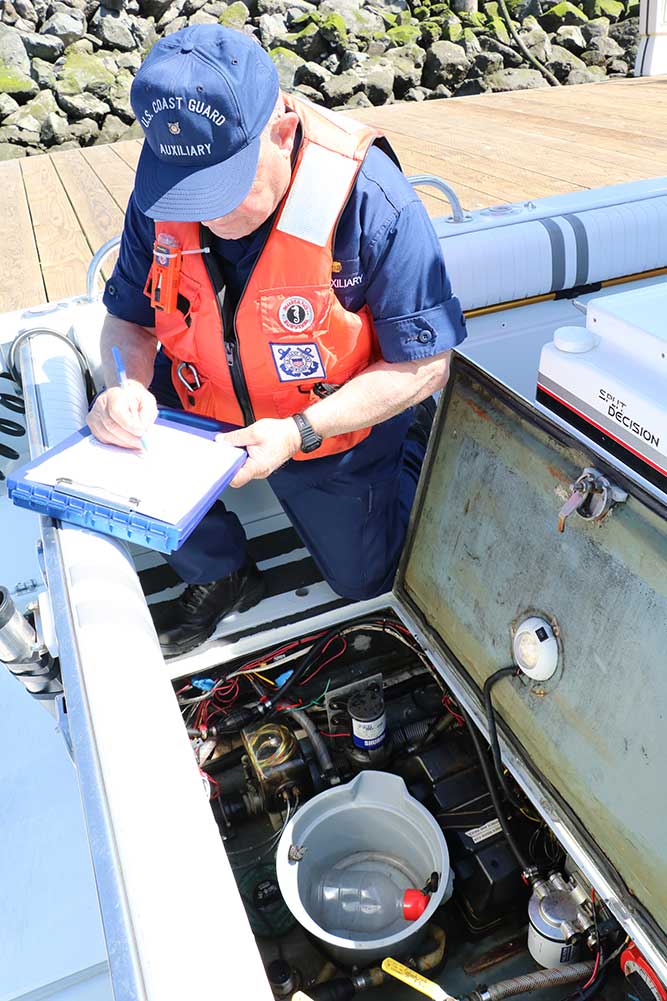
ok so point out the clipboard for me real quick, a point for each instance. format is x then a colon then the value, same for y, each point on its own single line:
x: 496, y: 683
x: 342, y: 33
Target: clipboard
x: 103, y: 510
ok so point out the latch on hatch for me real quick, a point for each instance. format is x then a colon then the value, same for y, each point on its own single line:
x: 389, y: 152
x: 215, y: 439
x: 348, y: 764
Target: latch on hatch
x: 592, y: 496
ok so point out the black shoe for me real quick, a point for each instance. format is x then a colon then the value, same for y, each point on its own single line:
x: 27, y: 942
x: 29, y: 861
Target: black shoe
x: 183, y: 624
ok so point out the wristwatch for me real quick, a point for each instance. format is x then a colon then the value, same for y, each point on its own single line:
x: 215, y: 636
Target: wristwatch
x: 310, y: 439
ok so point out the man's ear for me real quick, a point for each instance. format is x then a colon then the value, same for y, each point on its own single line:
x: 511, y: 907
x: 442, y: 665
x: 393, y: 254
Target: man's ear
x: 284, y: 130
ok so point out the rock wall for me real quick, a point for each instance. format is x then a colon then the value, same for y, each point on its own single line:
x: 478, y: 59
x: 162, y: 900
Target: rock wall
x: 66, y: 66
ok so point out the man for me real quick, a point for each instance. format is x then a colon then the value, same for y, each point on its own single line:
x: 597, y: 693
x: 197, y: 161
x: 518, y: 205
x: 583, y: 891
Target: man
x: 313, y: 312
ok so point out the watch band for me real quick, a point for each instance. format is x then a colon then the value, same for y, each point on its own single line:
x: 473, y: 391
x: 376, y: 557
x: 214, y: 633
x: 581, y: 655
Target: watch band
x: 310, y: 439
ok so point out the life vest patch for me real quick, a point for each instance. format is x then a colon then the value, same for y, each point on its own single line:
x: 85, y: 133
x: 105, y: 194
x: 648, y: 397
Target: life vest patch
x: 298, y: 361
x: 296, y: 314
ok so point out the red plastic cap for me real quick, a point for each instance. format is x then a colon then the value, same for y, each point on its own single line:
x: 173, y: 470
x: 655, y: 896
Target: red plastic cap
x: 414, y: 904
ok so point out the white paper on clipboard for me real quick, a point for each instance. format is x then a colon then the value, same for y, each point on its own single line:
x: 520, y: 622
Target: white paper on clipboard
x: 165, y: 481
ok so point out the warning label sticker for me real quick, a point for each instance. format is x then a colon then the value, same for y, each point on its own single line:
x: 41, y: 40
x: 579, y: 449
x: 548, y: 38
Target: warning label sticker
x: 486, y: 831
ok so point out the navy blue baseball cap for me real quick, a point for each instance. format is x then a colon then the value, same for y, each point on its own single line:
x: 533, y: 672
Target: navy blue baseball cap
x: 203, y: 96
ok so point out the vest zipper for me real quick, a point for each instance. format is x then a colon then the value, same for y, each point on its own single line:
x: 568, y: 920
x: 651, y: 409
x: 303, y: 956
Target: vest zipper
x: 228, y: 324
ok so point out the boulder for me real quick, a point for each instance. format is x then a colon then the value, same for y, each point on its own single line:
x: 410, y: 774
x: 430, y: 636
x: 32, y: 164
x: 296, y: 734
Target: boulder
x: 81, y: 71
x: 54, y: 130
x: 307, y: 43
x: 451, y: 28
x: 618, y: 67
x: 439, y: 93
x: 514, y: 79
x: 286, y: 64
x: 143, y: 29
x: 82, y: 106
x: 85, y: 131
x: 416, y: 94
x: 340, y: 89
x: 7, y: 105
x: 116, y: 4
x: 571, y: 38
x: 380, y: 83
x: 596, y: 26
x: 445, y: 63
x: 537, y: 42
x: 201, y: 17
x: 47, y: 47
x: 359, y: 21
x: 334, y: 30
x: 471, y: 43
x: 472, y: 88
x: 587, y: 75
x: 10, y: 152
x: 404, y: 34
x: 311, y: 75
x: 562, y: 13
x: 27, y: 10
x: 562, y: 63
x: 176, y: 25
x: 488, y: 62
x: 13, y: 55
x: 271, y: 7
x: 35, y: 110
x: 67, y: 27
x: 612, y: 9
x: 16, y: 83
x: 119, y: 98
x: 154, y: 8
x: 129, y: 60
x: 112, y: 130
x: 192, y: 6
x: 600, y: 50
x: 113, y: 28
x: 43, y: 73
x: 407, y: 63
x: 511, y: 58
x: 358, y: 101
x: 271, y: 27
x: 311, y: 94
x: 235, y: 16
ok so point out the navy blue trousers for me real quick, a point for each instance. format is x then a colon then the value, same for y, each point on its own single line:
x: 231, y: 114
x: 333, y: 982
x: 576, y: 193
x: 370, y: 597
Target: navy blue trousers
x: 351, y: 510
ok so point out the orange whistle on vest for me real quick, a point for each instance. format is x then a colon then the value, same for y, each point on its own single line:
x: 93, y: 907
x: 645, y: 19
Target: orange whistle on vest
x: 165, y: 273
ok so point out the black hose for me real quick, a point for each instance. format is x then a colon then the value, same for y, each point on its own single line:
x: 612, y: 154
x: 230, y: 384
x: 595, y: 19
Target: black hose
x: 504, y: 672
x: 495, y: 799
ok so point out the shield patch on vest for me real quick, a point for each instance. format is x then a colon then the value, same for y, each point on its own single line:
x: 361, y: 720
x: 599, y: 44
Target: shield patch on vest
x: 298, y: 361
x: 296, y: 313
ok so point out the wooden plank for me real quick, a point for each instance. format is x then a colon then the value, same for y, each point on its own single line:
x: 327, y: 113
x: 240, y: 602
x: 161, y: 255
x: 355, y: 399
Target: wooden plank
x: 129, y: 151
x: 97, y: 212
x: 116, y: 176
x: 63, y: 249
x: 21, y: 282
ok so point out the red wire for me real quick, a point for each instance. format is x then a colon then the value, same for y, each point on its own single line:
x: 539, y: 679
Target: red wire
x: 597, y: 958
x: 447, y: 703
x: 325, y: 734
x: 329, y: 661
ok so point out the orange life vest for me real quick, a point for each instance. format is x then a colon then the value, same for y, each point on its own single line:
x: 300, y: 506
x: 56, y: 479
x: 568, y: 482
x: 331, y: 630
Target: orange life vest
x: 291, y: 340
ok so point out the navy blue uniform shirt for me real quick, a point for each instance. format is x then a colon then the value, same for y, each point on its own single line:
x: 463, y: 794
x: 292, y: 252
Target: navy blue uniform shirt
x: 388, y: 257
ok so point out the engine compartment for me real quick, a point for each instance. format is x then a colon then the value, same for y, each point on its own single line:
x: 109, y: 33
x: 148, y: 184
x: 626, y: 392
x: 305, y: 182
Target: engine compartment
x: 290, y: 725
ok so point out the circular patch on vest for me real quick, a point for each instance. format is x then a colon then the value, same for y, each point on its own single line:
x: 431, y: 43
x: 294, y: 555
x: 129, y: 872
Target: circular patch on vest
x: 296, y: 313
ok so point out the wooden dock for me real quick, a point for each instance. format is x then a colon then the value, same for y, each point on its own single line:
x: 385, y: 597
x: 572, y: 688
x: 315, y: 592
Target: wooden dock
x: 57, y: 209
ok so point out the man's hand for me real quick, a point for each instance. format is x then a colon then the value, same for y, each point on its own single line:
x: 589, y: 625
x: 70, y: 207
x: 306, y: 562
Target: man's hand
x: 121, y: 416
x: 270, y: 443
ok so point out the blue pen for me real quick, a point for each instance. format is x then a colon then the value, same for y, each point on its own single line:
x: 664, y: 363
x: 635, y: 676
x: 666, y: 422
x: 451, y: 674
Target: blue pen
x: 122, y: 379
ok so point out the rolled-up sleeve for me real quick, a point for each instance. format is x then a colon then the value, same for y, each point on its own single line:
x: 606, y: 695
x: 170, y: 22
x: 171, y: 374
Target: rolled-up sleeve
x: 124, y: 292
x: 408, y: 292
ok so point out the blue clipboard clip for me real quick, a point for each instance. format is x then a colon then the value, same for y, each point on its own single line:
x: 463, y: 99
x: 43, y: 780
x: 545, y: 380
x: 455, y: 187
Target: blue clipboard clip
x: 93, y: 492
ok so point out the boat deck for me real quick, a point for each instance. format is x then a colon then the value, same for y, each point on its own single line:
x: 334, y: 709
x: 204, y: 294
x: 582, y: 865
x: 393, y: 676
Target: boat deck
x: 57, y: 209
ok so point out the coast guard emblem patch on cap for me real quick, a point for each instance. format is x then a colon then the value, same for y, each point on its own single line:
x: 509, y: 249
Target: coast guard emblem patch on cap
x: 174, y: 128
x: 296, y: 313
x: 298, y: 361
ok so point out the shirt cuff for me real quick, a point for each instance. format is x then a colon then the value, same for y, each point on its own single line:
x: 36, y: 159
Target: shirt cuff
x: 423, y: 334
x: 127, y: 302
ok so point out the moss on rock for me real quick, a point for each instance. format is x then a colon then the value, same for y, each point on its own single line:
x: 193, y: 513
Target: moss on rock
x: 235, y: 16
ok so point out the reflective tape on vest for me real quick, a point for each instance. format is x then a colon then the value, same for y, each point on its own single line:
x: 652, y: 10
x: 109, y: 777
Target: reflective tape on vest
x: 306, y: 214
